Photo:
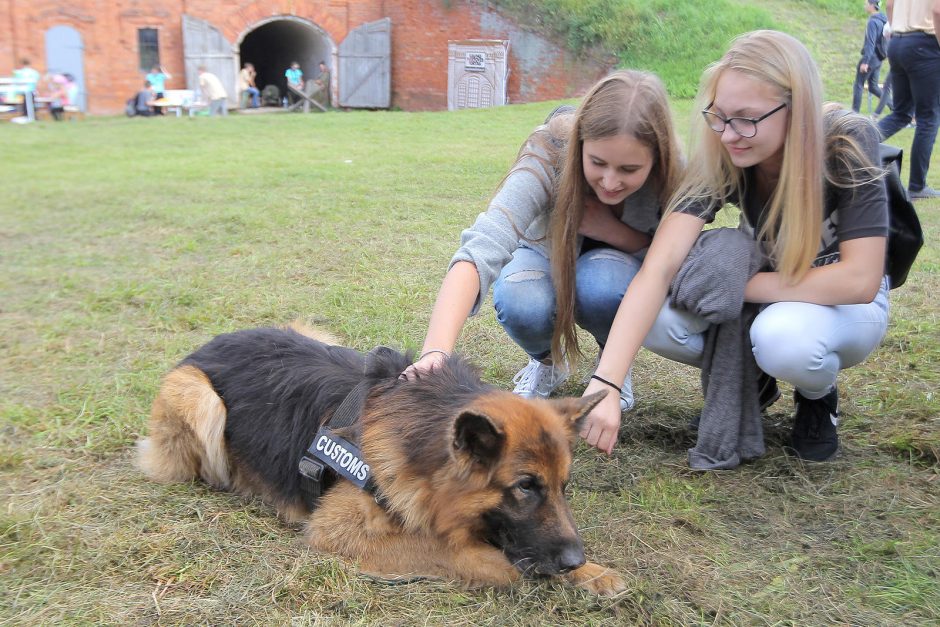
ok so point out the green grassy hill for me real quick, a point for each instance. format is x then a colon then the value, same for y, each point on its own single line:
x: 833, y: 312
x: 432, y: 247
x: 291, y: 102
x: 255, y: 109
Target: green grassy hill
x: 678, y: 38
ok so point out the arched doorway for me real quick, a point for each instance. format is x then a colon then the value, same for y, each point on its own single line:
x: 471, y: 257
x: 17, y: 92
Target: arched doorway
x: 65, y: 54
x: 274, y: 44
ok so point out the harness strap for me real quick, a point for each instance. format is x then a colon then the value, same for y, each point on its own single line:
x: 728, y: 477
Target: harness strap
x: 349, y: 411
x: 329, y: 455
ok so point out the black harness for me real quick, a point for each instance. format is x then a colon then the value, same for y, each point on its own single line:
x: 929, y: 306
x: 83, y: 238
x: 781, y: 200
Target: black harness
x: 330, y: 456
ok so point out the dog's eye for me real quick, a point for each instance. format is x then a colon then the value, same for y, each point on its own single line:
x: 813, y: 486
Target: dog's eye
x: 527, y: 485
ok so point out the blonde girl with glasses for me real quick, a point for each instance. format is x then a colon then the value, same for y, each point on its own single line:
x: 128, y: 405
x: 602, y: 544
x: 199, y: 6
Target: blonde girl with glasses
x: 807, y: 182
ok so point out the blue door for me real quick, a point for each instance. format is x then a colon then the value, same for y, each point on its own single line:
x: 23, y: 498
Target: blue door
x: 65, y: 54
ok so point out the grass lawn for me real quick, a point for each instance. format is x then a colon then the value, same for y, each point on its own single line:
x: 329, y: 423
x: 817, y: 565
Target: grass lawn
x: 126, y: 243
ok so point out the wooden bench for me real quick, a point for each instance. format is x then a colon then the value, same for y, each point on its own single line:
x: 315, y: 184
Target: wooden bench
x: 69, y: 112
x: 73, y: 112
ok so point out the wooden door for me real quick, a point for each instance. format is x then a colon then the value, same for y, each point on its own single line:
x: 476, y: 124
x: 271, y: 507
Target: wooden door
x: 364, y: 68
x: 65, y: 53
x: 204, y: 44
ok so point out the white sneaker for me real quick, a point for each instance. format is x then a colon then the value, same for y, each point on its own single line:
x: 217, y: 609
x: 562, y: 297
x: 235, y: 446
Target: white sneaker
x: 626, y: 392
x: 538, y: 380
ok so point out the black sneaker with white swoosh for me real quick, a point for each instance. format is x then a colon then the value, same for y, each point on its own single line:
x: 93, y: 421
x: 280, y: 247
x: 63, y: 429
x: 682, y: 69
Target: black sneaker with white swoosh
x: 814, y: 435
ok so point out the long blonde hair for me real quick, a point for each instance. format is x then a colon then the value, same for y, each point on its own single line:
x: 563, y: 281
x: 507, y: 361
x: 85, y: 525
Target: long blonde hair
x: 793, y: 225
x: 629, y: 102
x: 815, y: 146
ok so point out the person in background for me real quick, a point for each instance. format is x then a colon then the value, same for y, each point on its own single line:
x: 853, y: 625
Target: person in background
x: 158, y: 77
x: 58, y: 96
x: 29, y: 76
x: 323, y: 84
x: 873, y: 53
x: 295, y: 79
x: 246, y: 85
x: 914, y: 53
x: 71, y: 91
x: 566, y: 232
x: 143, y: 101
x: 885, y: 99
x: 213, y: 91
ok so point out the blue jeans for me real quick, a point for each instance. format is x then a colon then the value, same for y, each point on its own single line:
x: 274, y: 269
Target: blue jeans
x: 219, y: 106
x: 915, y: 85
x: 870, y: 77
x: 524, y: 296
x: 255, y: 96
x: 885, y: 99
x: 801, y: 343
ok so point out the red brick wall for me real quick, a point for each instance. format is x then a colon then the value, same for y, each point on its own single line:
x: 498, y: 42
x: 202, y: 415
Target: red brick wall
x: 420, y: 32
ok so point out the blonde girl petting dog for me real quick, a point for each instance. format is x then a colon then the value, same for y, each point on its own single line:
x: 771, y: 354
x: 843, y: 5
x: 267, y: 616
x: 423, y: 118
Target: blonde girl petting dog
x: 808, y: 188
x: 566, y: 231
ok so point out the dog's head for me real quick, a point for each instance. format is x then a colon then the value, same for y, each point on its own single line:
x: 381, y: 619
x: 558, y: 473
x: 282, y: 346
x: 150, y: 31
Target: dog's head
x: 516, y: 457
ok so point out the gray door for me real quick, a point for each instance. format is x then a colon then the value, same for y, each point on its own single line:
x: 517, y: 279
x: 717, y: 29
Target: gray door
x: 203, y: 44
x: 365, y: 66
x: 64, y: 55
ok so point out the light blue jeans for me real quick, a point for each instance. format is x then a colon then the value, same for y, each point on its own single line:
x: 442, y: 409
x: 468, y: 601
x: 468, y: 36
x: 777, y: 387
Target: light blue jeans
x: 524, y: 296
x: 801, y: 343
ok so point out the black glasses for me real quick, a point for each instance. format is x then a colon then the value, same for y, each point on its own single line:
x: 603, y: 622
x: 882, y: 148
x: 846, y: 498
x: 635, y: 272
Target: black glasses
x: 745, y: 127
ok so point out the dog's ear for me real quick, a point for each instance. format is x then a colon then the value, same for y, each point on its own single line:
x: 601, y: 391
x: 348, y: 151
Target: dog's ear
x: 478, y: 437
x: 576, y: 409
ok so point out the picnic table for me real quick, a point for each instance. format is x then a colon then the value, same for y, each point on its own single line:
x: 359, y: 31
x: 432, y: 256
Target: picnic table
x: 13, y: 93
x: 177, y: 100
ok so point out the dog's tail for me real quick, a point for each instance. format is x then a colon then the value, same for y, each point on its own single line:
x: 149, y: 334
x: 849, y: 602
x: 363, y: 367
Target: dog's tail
x: 187, y: 431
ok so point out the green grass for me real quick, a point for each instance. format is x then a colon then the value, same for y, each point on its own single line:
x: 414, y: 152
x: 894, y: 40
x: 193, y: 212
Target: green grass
x: 677, y: 38
x: 673, y: 38
x: 125, y: 244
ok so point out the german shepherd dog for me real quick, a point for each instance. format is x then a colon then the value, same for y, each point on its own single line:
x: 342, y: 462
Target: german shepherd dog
x: 469, y: 480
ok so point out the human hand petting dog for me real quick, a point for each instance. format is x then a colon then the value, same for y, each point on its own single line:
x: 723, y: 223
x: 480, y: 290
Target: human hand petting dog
x: 429, y: 359
x: 602, y: 424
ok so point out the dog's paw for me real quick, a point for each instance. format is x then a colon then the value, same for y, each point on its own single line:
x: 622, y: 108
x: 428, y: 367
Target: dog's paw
x: 597, y: 580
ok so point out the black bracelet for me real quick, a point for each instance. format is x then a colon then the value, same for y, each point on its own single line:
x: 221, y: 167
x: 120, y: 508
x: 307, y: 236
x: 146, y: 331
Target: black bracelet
x: 605, y: 381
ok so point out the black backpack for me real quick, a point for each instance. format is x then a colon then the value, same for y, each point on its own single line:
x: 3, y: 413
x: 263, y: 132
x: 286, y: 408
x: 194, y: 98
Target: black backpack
x: 905, y: 236
x: 881, y: 43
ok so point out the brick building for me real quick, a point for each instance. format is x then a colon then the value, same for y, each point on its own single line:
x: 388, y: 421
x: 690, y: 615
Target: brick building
x: 109, y: 46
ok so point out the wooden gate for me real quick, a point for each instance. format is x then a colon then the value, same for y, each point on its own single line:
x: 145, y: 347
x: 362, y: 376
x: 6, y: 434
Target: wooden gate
x: 364, y: 72
x: 204, y: 44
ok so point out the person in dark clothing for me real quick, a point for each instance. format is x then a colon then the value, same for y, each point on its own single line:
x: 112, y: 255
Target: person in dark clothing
x: 873, y: 53
x: 885, y: 99
x: 914, y: 53
x: 143, y: 101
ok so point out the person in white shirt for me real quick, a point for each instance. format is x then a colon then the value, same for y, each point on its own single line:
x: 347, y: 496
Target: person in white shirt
x: 213, y: 91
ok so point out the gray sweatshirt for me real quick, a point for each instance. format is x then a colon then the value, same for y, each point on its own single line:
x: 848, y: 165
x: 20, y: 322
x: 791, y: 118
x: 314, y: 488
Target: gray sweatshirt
x: 523, y: 205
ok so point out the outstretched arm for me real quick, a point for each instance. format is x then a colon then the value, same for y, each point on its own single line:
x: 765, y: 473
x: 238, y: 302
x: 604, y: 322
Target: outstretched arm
x: 634, y: 319
x: 454, y: 302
